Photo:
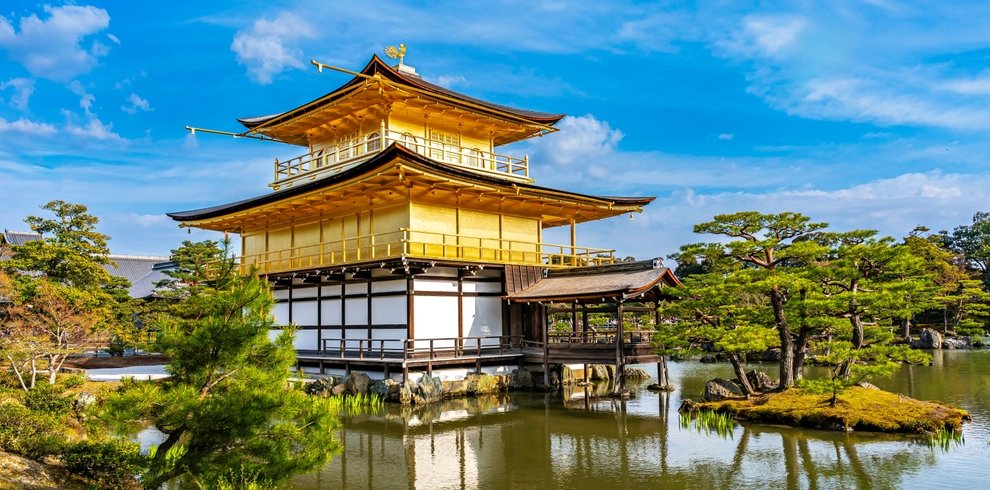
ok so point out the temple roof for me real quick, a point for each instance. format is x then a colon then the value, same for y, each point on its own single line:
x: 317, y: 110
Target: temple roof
x: 132, y: 267
x: 383, y: 166
x: 19, y: 237
x: 616, y: 281
x: 377, y: 67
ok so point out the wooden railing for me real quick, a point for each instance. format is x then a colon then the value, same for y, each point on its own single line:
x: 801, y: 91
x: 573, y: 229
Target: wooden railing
x: 407, y: 242
x: 421, y: 349
x: 629, y: 337
x: 328, y: 161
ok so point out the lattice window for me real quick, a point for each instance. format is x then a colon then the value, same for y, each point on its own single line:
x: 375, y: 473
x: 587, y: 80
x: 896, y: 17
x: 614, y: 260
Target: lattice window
x: 445, y: 146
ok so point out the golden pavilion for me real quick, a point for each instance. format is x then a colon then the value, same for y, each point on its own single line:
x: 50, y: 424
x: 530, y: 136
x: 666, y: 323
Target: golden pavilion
x: 402, y: 240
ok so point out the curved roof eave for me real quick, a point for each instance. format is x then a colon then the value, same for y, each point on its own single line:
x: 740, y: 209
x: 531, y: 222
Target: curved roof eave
x: 376, y: 65
x: 381, y: 159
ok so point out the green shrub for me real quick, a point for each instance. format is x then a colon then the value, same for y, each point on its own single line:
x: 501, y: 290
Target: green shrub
x: 109, y: 464
x: 70, y: 381
x: 30, y: 433
x: 116, y: 346
x: 47, y: 398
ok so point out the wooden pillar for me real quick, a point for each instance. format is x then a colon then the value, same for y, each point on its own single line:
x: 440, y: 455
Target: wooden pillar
x: 546, y: 344
x: 573, y: 242
x: 291, y: 280
x: 369, y: 311
x: 620, y: 355
x: 319, y: 317
x: 584, y: 321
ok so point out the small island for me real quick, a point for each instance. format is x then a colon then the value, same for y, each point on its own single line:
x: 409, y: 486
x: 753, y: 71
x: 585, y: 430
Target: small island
x: 861, y: 408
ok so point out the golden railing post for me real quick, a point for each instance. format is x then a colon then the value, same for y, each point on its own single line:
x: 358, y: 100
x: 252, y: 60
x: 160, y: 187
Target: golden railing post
x: 526, y: 164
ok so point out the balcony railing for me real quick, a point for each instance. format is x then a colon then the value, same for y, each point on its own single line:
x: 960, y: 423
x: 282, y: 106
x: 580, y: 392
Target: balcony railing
x: 406, y: 242
x: 329, y: 161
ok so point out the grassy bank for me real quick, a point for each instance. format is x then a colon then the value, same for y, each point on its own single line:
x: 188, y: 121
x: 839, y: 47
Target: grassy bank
x: 862, y: 409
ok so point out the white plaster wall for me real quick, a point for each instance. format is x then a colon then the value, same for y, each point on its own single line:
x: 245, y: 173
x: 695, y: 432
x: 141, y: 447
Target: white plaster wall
x: 356, y: 311
x: 435, y: 317
x: 331, y: 333
x: 306, y: 339
x: 331, y: 311
x: 331, y: 290
x: 303, y: 292
x: 482, y: 287
x: 388, y: 286
x: 443, y: 271
x: 281, y: 294
x: 304, y: 313
x: 388, y: 310
x: 435, y: 285
x: 394, y: 336
x: 281, y: 313
x: 482, y: 318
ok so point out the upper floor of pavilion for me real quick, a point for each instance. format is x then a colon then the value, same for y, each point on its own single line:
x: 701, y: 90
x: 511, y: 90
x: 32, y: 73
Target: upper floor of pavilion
x: 383, y: 104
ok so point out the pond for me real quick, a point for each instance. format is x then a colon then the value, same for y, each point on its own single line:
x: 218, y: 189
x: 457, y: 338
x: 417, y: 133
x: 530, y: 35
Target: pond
x: 524, y: 440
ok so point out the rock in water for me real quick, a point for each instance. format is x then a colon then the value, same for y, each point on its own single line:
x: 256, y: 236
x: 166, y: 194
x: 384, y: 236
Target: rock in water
x: 760, y: 381
x: 930, y: 339
x: 599, y: 372
x: 358, y: 383
x: 386, y: 389
x: 720, y: 389
x: 339, y: 390
x: 636, y: 373
x: 521, y: 379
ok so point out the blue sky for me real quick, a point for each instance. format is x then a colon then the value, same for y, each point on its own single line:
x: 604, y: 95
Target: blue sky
x: 865, y: 114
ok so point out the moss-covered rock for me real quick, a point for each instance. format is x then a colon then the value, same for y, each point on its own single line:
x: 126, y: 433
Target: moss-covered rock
x: 858, y: 408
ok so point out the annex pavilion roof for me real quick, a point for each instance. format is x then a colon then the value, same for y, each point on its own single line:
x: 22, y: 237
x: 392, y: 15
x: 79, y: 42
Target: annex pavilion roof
x: 620, y: 281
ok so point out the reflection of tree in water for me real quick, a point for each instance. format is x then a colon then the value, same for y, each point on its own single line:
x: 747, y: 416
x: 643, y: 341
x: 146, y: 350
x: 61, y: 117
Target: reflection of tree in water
x: 533, y: 441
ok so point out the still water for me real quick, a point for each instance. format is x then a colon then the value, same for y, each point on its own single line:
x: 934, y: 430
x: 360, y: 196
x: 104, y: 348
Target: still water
x: 571, y: 441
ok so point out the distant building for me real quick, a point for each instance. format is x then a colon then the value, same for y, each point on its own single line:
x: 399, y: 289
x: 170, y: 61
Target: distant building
x: 142, y: 271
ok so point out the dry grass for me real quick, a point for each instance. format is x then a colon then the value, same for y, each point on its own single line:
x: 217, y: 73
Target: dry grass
x: 862, y: 409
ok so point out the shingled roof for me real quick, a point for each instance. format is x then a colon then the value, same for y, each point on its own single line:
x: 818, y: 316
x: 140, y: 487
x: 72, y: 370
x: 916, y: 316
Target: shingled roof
x: 383, y: 159
x: 617, y: 281
x: 132, y: 267
x: 19, y: 237
x: 377, y: 66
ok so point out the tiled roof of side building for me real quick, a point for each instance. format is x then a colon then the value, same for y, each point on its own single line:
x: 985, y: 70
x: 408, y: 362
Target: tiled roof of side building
x: 19, y: 237
x: 132, y: 267
x: 146, y: 286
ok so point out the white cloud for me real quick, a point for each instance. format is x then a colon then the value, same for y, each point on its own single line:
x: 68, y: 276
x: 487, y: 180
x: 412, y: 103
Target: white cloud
x: 53, y: 48
x: 135, y: 103
x: 865, y: 100
x: 27, y: 127
x: 269, y: 47
x: 114, y: 39
x: 726, y: 136
x: 448, y: 81
x: 770, y: 35
x: 94, y: 129
x: 882, y: 64
x: 23, y: 88
x: 86, y: 99
x: 582, y: 139
x: 970, y: 86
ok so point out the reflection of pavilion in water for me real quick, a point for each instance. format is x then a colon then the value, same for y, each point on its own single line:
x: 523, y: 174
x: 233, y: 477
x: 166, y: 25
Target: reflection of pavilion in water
x: 530, y: 441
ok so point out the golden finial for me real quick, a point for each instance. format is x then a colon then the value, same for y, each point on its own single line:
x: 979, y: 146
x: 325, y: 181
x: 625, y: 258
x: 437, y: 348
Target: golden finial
x: 396, y: 53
